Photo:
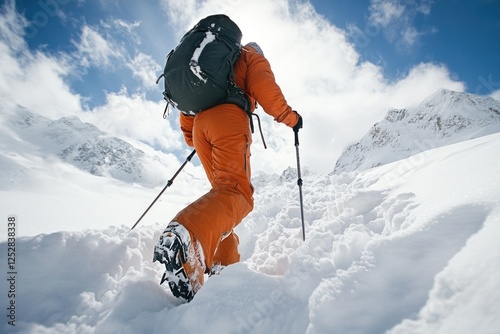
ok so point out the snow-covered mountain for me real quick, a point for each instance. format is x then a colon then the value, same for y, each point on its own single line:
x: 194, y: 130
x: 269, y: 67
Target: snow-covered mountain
x: 74, y: 142
x: 444, y: 118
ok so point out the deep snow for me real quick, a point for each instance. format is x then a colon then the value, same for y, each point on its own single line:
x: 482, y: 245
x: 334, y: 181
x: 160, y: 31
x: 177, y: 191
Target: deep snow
x: 408, y: 247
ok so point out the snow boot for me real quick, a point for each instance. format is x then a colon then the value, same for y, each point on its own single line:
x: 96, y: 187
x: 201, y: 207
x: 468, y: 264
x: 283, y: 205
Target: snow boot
x: 183, y: 258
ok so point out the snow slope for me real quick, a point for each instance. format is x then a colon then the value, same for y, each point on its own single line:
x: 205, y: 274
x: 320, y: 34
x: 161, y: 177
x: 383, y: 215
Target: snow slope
x: 26, y: 135
x: 444, y: 118
x: 66, y: 175
x: 408, y: 247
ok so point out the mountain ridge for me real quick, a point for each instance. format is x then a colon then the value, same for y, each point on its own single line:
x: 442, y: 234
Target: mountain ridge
x: 444, y: 118
x: 82, y: 145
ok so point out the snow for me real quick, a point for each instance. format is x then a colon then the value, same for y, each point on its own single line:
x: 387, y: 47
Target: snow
x: 444, y: 118
x: 407, y: 247
x: 195, y: 68
x: 410, y: 246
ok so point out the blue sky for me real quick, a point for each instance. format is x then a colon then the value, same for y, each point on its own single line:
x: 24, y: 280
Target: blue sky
x: 342, y: 63
x: 57, y: 27
x: 462, y: 34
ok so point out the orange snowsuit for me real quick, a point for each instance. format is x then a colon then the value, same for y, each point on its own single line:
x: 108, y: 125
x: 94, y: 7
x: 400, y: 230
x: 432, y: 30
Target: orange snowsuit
x: 221, y: 136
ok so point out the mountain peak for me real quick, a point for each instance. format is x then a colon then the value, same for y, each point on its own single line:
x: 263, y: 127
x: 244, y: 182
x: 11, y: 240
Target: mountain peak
x: 82, y: 145
x: 444, y: 118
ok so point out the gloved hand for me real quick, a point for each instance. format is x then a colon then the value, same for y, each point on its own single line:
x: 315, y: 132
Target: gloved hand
x: 299, y: 123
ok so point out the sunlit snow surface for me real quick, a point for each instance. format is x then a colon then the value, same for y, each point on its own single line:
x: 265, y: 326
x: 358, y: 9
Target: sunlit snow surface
x: 408, y: 247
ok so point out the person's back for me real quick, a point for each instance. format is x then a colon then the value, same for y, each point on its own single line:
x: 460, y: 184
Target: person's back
x: 201, y: 236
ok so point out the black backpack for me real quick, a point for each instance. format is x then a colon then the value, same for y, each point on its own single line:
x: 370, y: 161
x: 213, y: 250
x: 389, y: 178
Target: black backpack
x: 199, y: 71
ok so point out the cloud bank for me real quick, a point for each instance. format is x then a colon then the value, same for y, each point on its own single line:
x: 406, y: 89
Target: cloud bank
x: 319, y: 70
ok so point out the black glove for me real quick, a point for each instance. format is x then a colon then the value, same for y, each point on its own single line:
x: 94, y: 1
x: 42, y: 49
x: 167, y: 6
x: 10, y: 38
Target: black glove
x: 299, y: 123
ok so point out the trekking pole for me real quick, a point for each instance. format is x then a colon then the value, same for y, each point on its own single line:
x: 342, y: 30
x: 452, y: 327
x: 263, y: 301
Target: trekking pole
x: 169, y: 183
x: 299, y: 182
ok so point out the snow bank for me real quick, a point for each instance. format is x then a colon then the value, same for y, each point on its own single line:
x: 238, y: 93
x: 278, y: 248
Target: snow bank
x: 409, y: 247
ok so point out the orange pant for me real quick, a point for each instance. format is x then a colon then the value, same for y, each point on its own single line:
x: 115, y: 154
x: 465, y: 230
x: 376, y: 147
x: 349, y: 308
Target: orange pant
x: 222, y: 139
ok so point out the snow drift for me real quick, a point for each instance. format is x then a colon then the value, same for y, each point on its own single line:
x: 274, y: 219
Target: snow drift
x: 410, y: 247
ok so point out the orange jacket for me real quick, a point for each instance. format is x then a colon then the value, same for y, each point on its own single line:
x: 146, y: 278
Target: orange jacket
x: 253, y: 74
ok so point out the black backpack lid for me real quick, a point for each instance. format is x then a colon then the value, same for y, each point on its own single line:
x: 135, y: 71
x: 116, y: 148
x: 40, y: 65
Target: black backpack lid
x: 217, y: 22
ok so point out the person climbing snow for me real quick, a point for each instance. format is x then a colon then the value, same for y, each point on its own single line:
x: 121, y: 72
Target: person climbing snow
x: 201, y: 236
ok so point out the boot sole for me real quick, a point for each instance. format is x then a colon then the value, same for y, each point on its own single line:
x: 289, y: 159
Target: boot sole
x: 174, y: 257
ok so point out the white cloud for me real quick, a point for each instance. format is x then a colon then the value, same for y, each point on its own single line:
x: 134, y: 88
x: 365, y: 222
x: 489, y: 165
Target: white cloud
x: 145, y: 68
x: 94, y: 50
x: 12, y: 26
x: 424, y: 79
x: 115, y: 28
x: 129, y: 27
x: 33, y: 80
x: 133, y: 117
x: 396, y: 19
x: 410, y: 36
x: 39, y: 82
x: 321, y: 76
x: 179, y: 12
x: 319, y: 71
x: 383, y: 12
x: 112, y: 46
